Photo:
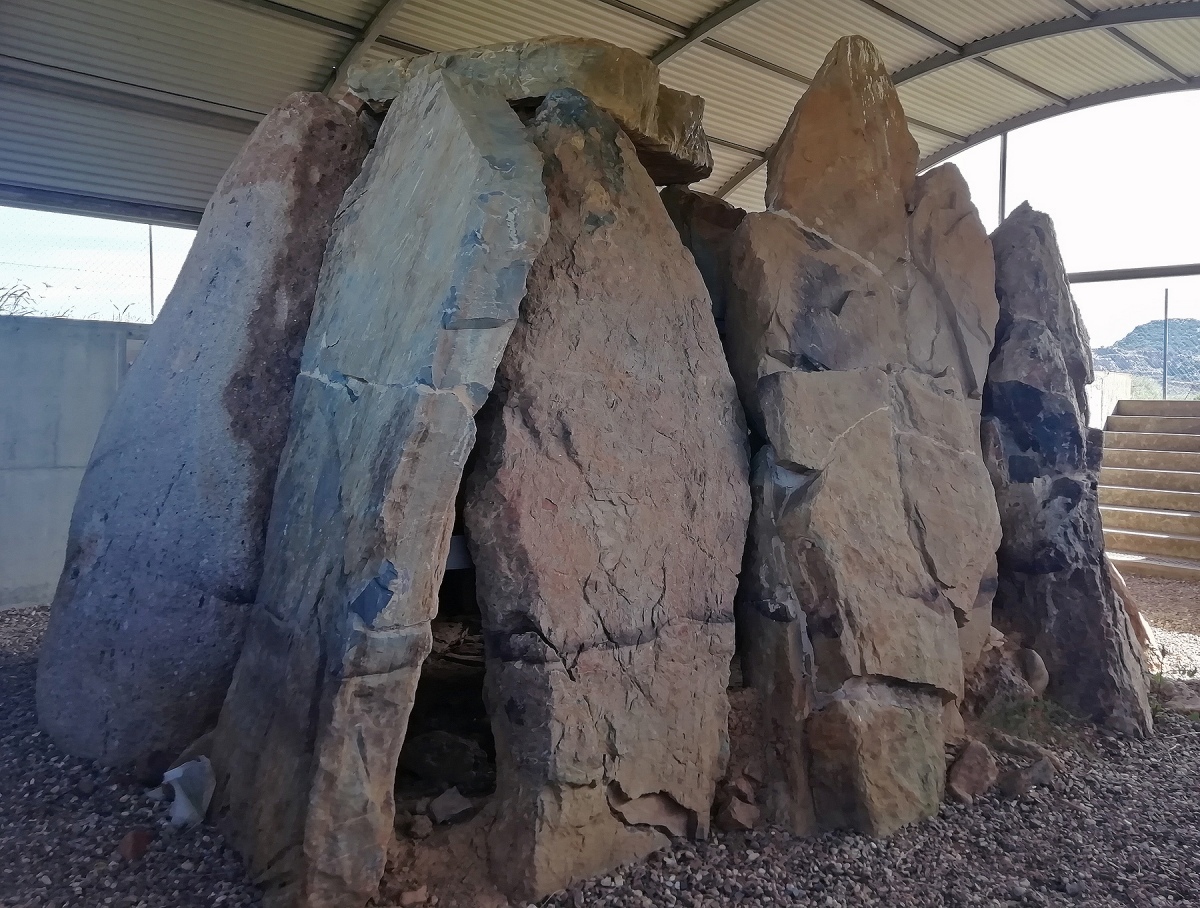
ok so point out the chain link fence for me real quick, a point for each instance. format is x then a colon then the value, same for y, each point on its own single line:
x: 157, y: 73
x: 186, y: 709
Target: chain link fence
x: 1161, y: 355
x: 70, y: 266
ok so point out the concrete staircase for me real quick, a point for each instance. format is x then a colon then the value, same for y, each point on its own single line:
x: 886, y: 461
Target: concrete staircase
x: 1150, y: 488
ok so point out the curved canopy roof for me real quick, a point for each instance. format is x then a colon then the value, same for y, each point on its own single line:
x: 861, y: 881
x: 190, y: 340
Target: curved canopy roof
x: 136, y: 107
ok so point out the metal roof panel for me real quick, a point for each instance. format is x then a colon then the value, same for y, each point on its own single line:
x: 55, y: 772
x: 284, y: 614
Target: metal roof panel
x: 454, y: 24
x: 211, y: 51
x: 752, y: 194
x: 61, y: 144
x: 966, y: 97
x: 963, y: 21
x: 1078, y: 64
x: 1176, y: 42
x: 797, y: 34
x: 742, y: 103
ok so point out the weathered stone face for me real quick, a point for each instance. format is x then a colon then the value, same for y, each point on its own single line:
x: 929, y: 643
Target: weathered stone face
x: 666, y: 126
x: 859, y: 335
x: 706, y: 225
x: 950, y: 319
x: 1054, y: 591
x: 166, y: 541
x: 800, y: 302
x: 606, y: 519
x: 418, y: 294
x: 846, y: 163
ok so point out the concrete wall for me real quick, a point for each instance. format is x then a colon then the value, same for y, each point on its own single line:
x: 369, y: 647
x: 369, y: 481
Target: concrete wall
x: 57, y: 379
x: 1103, y: 394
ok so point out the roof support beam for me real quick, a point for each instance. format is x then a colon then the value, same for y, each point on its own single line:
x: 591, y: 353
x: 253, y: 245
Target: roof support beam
x: 1134, y: 274
x: 952, y: 48
x: 697, y: 32
x: 1044, y: 113
x: 1107, y: 19
x: 366, y: 39
x: 1142, y: 51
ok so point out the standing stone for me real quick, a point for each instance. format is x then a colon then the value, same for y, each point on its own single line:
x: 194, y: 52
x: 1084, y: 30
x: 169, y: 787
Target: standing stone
x: 418, y: 295
x: 858, y: 336
x: 1055, y: 591
x: 665, y: 125
x: 606, y: 519
x: 846, y: 162
x: 166, y: 542
x: 706, y: 225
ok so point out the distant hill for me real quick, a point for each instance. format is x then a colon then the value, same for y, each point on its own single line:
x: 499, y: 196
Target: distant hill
x: 1140, y: 352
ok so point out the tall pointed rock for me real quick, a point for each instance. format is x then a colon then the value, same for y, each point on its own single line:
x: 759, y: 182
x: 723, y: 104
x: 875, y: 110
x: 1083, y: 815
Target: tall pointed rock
x: 606, y: 517
x: 858, y: 335
x: 1055, y: 591
x: 418, y: 295
x: 846, y: 163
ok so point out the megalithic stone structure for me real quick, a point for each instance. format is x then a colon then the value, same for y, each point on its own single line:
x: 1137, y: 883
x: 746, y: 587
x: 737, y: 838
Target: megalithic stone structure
x: 418, y: 295
x: 166, y: 541
x: 858, y: 334
x: 1055, y: 591
x: 606, y: 518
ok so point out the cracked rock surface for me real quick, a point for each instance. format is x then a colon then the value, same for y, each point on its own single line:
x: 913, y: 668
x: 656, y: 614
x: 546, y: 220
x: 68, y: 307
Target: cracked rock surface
x: 418, y: 295
x: 166, y: 542
x: 858, y: 334
x: 606, y: 519
x: 1055, y: 591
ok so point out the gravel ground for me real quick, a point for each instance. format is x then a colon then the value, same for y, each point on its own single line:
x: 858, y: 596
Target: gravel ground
x: 1119, y: 827
x: 62, y: 819
x: 1173, y: 609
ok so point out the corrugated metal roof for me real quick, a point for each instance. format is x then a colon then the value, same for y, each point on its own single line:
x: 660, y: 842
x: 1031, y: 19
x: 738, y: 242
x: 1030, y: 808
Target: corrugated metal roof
x: 176, y: 84
x: 681, y: 12
x: 751, y: 194
x: 1176, y: 42
x: 966, y: 98
x: 726, y: 163
x: 742, y: 103
x: 208, y: 50
x: 64, y: 145
x: 797, y: 34
x: 452, y: 24
x: 1079, y: 64
x: 352, y: 12
x: 928, y: 141
x: 969, y: 21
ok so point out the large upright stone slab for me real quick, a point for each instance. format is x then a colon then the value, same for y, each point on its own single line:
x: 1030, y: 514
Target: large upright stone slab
x: 166, y: 542
x: 606, y: 519
x: 1055, y: 592
x: 857, y: 334
x: 418, y: 295
x: 666, y: 126
x: 846, y: 162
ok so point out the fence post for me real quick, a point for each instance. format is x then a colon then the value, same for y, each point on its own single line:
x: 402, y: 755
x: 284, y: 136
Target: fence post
x: 1166, y: 330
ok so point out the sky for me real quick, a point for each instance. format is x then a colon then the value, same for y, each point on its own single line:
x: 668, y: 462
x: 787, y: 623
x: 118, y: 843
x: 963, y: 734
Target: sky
x: 1119, y: 180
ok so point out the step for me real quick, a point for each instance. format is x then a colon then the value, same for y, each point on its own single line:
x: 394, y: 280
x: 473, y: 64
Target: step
x: 1151, y: 441
x: 1177, y: 461
x: 1167, y: 425
x: 1149, y: 498
x: 1158, y: 408
x: 1151, y: 520
x: 1130, y: 564
x: 1147, y: 543
x: 1150, y: 479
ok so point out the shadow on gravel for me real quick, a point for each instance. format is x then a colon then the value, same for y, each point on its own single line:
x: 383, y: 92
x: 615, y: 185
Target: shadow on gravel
x: 1120, y: 826
x: 62, y: 819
